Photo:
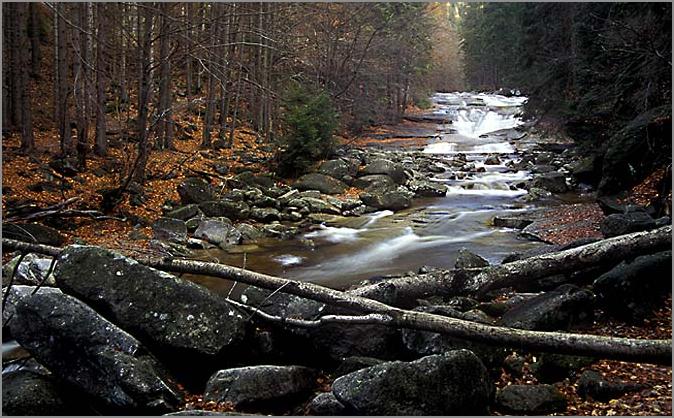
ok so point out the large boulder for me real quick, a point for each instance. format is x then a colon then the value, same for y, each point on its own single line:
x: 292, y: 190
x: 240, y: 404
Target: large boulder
x: 554, y: 310
x: 260, y: 386
x: 172, y: 315
x: 231, y: 209
x: 313, y: 205
x: 634, y: 150
x: 454, y: 383
x: 552, y: 367
x: 14, y: 295
x: 587, y: 170
x: 85, y: 350
x: 467, y: 259
x: 265, y: 214
x: 30, y: 393
x: 593, y: 385
x: 393, y: 200
x: 424, y: 343
x: 195, y: 190
x: 375, y: 183
x: 553, y: 182
x: 387, y: 167
x: 185, y: 212
x: 633, y: 288
x: 339, y: 168
x: 321, y: 182
x: 530, y: 400
x: 625, y: 223
x: 169, y: 229
x: 424, y: 188
x: 33, y: 232
x: 218, y: 231
x: 32, y: 271
x: 326, y: 404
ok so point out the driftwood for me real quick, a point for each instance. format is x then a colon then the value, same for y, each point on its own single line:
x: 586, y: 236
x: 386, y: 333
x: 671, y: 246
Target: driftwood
x: 607, y: 251
x: 60, y: 211
x: 626, y: 349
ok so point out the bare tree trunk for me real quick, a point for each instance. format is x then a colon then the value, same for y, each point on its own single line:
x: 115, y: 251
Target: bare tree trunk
x: 189, y: 78
x: 65, y: 132
x: 212, y: 78
x: 374, y: 312
x: 101, y: 146
x: 144, y: 82
x: 34, y: 41
x: 165, y: 114
x: 82, y: 99
x: 27, y: 139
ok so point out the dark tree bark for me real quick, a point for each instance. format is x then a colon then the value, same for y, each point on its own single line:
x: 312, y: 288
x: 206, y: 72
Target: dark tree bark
x: 34, y: 29
x: 214, y: 31
x: 65, y: 132
x: 144, y: 50
x: 22, y: 62
x: 82, y: 76
x: 164, y: 110
x: 101, y: 145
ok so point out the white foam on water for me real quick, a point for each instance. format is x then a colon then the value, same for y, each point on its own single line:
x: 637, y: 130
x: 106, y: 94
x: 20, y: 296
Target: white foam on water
x: 374, y: 217
x: 458, y: 191
x: 508, y: 176
x: 386, y: 251
x: 335, y: 234
x: 289, y: 259
x: 440, y: 148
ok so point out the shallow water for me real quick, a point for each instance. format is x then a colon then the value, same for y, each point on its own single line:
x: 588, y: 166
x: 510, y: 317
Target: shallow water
x: 434, y: 229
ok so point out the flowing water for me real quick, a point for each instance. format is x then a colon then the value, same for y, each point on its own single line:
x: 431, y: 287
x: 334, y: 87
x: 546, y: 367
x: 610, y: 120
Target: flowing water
x: 434, y: 229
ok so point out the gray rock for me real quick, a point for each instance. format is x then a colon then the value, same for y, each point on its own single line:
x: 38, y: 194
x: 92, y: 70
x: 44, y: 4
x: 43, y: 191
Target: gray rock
x: 326, y: 404
x: 394, y: 200
x: 424, y: 343
x: 314, y: 205
x: 515, y: 222
x: 259, y: 385
x: 554, y: 310
x: 592, y: 385
x: 287, y: 197
x: 422, y: 188
x: 455, y: 383
x: 195, y: 190
x: 279, y: 231
x: 93, y: 355
x: 387, y: 167
x: 265, y: 214
x: 16, y: 294
x: 530, y: 400
x: 314, y: 194
x: 249, y: 234
x: 467, y: 259
x: 632, y: 289
x: 620, y: 224
x: 351, y: 364
x: 321, y: 182
x: 339, y: 168
x: 33, y: 232
x: 32, y: 271
x: 218, y: 232
x: 29, y: 393
x: 552, y: 182
x: 231, y: 209
x: 551, y: 368
x: 173, y: 315
x: 375, y: 183
x: 169, y: 229
x: 184, y: 212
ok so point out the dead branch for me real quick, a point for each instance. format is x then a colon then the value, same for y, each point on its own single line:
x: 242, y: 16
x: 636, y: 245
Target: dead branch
x: 625, y: 349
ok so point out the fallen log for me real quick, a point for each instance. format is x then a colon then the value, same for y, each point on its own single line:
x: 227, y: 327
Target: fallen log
x: 607, y: 251
x: 625, y: 349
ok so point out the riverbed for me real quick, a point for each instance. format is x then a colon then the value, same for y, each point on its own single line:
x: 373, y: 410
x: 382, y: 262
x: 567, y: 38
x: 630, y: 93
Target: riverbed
x: 433, y: 230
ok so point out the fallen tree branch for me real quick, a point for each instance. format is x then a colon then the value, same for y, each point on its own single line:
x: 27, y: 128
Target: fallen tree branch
x: 625, y: 349
x: 611, y: 250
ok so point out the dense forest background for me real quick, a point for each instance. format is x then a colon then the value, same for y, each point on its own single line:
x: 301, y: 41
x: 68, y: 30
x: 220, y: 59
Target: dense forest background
x: 95, y: 75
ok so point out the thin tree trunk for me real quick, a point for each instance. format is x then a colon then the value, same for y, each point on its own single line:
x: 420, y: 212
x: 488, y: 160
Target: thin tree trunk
x: 165, y: 123
x: 374, y: 312
x: 212, y: 79
x: 101, y: 146
x: 144, y: 44
x: 27, y: 139
x: 83, y: 87
x: 65, y: 132
x: 34, y: 41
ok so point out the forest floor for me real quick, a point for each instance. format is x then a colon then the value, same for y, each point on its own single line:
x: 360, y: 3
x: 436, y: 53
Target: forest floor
x: 25, y: 178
